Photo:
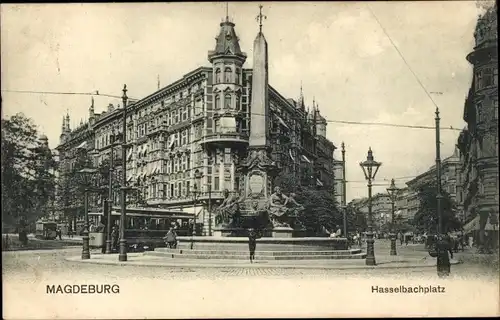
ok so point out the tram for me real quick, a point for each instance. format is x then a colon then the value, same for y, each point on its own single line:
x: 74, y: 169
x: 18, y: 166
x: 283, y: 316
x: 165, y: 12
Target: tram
x: 45, y: 230
x: 144, y: 227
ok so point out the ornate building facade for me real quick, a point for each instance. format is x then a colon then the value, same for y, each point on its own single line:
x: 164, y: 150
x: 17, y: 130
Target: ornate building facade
x: 478, y: 142
x: 449, y: 169
x: 194, y: 133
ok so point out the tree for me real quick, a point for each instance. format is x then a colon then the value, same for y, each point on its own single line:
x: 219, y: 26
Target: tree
x: 28, y: 182
x: 356, y: 220
x: 426, y: 218
x: 320, y: 207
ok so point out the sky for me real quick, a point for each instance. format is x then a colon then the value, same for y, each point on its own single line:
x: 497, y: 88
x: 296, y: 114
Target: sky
x: 345, y: 54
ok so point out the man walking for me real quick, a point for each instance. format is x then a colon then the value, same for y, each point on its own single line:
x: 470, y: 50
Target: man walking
x: 252, y: 243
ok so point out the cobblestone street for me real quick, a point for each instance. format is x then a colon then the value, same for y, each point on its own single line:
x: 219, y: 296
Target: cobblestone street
x: 191, y: 291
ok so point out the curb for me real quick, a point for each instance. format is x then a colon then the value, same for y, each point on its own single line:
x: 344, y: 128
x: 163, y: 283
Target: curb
x: 256, y: 265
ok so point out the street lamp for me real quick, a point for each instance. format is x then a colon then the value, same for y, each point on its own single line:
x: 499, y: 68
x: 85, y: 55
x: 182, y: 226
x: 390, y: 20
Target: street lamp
x: 195, y: 193
x: 370, y: 168
x: 123, y: 242
x: 392, y: 191
x: 87, y: 177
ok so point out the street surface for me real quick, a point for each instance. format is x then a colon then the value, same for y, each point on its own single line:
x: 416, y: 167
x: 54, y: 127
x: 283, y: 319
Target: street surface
x: 214, y: 292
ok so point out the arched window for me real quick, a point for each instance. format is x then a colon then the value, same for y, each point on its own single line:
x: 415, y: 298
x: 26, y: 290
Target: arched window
x: 237, y: 107
x: 227, y: 101
x: 227, y: 75
x: 237, y: 79
x: 218, y: 76
x: 217, y: 102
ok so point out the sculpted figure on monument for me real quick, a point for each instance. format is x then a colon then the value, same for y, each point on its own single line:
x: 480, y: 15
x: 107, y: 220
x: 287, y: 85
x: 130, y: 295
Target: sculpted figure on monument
x: 228, y: 210
x: 293, y: 206
x: 278, y: 211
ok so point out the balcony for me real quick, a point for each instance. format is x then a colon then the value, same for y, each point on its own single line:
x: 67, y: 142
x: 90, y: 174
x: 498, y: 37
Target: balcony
x: 224, y: 139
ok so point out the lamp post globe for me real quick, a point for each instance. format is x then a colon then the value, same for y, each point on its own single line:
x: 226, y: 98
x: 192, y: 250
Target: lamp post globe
x: 392, y: 191
x: 370, y: 168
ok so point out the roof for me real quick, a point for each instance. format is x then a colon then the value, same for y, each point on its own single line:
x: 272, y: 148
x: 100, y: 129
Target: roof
x: 227, y: 42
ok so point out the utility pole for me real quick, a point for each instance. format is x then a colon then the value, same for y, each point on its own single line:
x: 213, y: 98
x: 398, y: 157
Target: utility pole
x: 439, y: 196
x: 344, y: 189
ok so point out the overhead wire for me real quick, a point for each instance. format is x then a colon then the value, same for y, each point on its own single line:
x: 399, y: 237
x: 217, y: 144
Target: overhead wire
x: 402, y: 57
x: 96, y: 93
x: 382, y: 124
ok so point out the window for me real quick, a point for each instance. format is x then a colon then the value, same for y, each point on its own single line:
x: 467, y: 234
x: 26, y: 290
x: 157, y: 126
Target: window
x: 216, y: 125
x: 184, y: 113
x: 217, y: 102
x: 198, y: 106
x: 188, y: 187
x: 237, y: 108
x: 184, y: 137
x: 488, y: 77
x: 218, y: 76
x: 227, y: 75
x: 171, y: 194
x: 479, y: 80
x: 179, y: 189
x: 216, y: 184
x: 238, y: 77
x: 227, y: 101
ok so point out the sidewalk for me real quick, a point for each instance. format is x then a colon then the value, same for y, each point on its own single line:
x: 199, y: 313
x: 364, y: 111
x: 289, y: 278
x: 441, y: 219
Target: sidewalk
x: 138, y: 259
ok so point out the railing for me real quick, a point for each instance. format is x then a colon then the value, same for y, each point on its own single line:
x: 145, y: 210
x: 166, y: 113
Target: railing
x: 228, y: 136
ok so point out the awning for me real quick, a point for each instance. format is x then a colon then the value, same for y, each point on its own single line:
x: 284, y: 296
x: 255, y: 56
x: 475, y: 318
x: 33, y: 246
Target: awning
x: 82, y: 145
x: 305, y: 158
x: 473, y: 225
x: 291, y: 155
x: 318, y: 182
x: 282, y: 122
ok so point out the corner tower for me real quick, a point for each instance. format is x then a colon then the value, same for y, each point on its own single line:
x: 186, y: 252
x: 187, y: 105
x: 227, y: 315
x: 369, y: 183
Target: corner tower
x: 227, y: 60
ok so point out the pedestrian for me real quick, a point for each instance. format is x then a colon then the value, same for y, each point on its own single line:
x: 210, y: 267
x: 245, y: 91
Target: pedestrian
x: 114, y: 238
x: 444, y: 253
x: 171, y: 239
x: 59, y: 233
x: 407, y: 238
x: 252, y: 243
x: 401, y: 238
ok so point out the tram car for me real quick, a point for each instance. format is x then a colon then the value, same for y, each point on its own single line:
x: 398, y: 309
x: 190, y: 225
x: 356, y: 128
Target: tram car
x: 45, y: 230
x: 144, y: 230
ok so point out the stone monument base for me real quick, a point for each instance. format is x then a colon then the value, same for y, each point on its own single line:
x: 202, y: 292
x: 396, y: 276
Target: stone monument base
x: 282, y: 232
